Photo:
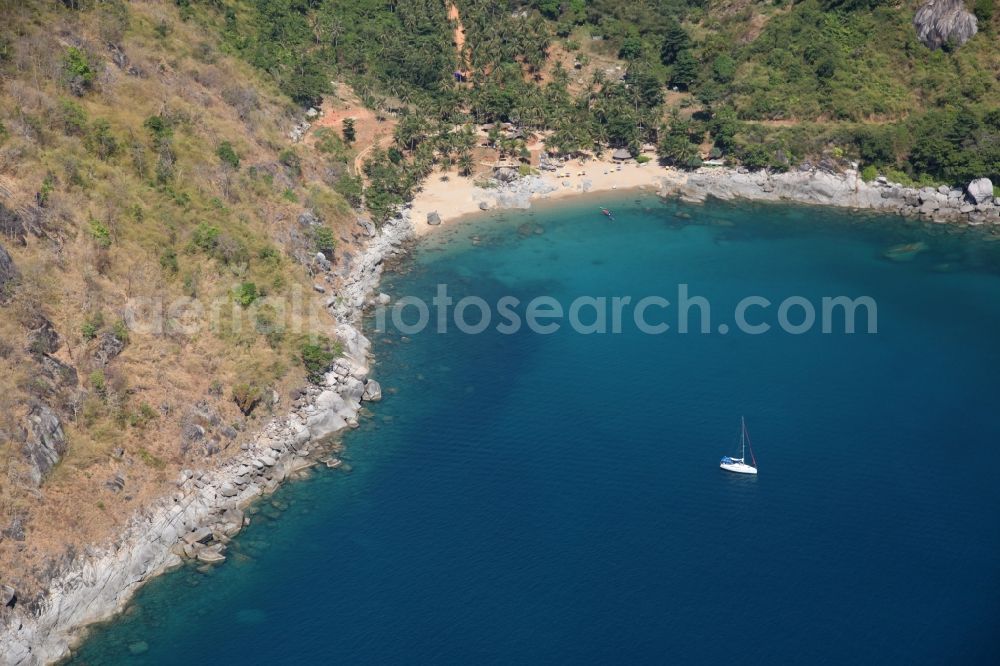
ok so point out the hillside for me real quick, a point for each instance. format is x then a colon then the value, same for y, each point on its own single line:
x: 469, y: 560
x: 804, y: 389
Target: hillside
x: 158, y: 218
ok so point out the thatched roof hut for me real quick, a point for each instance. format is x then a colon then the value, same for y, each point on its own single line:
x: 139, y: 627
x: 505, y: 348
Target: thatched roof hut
x: 621, y: 155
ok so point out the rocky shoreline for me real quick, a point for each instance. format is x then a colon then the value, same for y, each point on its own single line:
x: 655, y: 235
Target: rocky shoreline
x: 974, y: 206
x: 206, y: 511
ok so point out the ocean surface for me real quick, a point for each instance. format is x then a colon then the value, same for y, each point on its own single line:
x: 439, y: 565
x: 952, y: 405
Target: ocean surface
x: 520, y: 497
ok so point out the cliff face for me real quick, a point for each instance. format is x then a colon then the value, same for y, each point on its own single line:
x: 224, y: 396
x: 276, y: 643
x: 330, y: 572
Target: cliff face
x: 941, y: 22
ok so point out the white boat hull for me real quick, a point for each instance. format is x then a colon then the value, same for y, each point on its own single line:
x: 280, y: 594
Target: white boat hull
x: 738, y: 467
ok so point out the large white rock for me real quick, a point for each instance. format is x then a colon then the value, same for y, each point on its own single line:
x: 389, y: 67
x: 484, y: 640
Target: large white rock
x: 373, y: 391
x: 353, y: 389
x: 325, y: 423
x: 980, y: 190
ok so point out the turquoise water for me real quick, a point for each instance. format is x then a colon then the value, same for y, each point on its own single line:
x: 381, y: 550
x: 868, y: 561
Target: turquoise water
x: 553, y: 498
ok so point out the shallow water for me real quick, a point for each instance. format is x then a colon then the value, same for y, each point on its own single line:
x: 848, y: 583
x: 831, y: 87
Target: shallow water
x: 557, y: 497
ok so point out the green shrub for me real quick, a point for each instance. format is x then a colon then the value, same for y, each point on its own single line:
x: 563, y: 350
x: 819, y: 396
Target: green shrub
x: 160, y: 130
x: 642, y: 159
x: 205, y: 237
x: 323, y: 240
x: 316, y: 357
x: 92, y: 326
x: 328, y: 142
x: 246, y: 294
x: 168, y: 261
x: 228, y: 155
x: 45, y: 191
x: 72, y: 118
x: 291, y: 159
x: 869, y: 173
x: 351, y: 188
x: 147, y: 411
x: 120, y: 330
x: 755, y: 156
x: 269, y: 254
x: 101, y: 141
x: 724, y: 68
x: 78, y: 73
x: 100, y: 233
x: 98, y: 382
x: 247, y: 397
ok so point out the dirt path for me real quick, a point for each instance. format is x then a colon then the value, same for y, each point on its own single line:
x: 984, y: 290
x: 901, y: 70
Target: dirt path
x: 370, y: 132
x: 459, y: 38
x: 381, y: 142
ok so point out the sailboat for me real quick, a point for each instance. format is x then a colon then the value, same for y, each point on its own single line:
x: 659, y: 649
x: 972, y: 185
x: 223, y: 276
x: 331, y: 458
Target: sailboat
x: 739, y: 465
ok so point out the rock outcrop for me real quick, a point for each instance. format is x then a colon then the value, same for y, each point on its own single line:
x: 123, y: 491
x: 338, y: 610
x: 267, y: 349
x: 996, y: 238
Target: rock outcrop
x: 109, y: 346
x: 12, y: 224
x: 944, y: 22
x: 8, y: 275
x: 46, y: 442
x: 373, y: 391
x: 43, y: 338
x: 980, y: 190
x: 829, y: 188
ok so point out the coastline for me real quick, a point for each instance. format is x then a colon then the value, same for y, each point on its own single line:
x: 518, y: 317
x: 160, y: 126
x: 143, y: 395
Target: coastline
x: 208, y: 505
x: 453, y: 197
x: 197, y: 520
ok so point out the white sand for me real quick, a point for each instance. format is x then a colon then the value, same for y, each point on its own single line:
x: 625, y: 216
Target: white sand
x: 453, y: 196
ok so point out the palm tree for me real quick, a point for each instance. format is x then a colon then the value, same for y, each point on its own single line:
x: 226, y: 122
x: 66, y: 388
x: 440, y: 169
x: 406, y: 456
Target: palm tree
x: 465, y: 163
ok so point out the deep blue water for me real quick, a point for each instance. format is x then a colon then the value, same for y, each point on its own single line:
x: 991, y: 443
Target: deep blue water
x: 554, y: 498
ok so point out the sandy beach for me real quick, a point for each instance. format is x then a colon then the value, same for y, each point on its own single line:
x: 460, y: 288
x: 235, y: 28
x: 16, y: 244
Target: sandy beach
x: 453, y: 196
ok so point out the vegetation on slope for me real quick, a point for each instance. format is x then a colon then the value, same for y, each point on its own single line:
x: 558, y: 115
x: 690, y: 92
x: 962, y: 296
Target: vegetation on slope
x: 766, y: 83
x: 151, y: 202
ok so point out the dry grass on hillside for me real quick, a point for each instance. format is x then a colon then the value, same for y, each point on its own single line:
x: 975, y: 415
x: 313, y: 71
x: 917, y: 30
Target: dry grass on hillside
x: 110, y: 234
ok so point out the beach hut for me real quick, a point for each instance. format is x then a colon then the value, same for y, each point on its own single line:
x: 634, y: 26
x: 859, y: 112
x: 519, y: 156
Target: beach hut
x: 621, y: 155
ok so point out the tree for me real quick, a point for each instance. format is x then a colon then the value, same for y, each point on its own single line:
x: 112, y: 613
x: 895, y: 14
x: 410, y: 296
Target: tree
x: 632, y: 48
x: 675, y: 40
x: 724, y: 68
x: 755, y: 156
x: 410, y: 131
x: 465, y: 163
x: 102, y: 141
x: 349, y: 133
x: 675, y: 147
x: 685, y: 72
x: 228, y: 155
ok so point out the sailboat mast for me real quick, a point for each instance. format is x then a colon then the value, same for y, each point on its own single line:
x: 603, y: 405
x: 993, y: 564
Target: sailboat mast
x: 743, y: 438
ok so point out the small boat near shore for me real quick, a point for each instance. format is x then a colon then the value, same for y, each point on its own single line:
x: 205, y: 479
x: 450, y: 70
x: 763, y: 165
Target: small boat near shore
x: 739, y: 465
x: 607, y: 213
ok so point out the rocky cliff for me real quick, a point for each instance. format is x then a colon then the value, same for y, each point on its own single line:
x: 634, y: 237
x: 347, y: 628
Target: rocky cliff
x: 944, y: 22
